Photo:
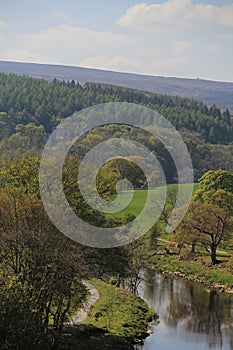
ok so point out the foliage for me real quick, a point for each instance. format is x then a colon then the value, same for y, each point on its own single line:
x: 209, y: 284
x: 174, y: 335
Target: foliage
x: 34, y: 255
x: 31, y: 108
x: 208, y: 225
x: 117, y: 169
x: 216, y: 186
x: 18, y: 327
x: 42, y: 270
x: 215, y: 180
x: 21, y: 173
x: 26, y: 100
x: 27, y: 138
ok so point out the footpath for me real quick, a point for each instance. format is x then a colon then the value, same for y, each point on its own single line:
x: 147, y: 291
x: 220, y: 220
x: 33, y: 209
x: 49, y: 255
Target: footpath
x: 82, y: 313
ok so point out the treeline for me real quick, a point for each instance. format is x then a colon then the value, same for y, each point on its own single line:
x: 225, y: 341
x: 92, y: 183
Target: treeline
x: 194, y: 115
x: 27, y: 100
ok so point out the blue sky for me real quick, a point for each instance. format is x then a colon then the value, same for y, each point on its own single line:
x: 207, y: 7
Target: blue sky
x: 181, y: 38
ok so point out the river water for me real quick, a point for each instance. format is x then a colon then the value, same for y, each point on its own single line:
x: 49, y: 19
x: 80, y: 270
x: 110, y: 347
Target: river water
x: 190, y: 317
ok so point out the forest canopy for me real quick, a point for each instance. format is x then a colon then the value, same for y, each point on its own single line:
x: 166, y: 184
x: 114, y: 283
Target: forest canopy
x: 30, y: 109
x: 25, y: 100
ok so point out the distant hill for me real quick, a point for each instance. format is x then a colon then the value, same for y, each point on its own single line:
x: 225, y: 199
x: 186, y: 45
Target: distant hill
x: 210, y: 92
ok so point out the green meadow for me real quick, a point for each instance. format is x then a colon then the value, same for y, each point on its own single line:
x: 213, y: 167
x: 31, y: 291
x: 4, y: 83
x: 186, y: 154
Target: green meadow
x: 139, y: 197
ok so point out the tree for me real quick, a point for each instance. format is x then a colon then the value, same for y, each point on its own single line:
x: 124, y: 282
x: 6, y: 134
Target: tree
x: 46, y: 266
x: 221, y: 198
x: 138, y: 260
x: 207, y: 225
x: 6, y: 125
x: 42, y: 261
x: 214, y: 180
x: 25, y: 100
x: 18, y: 327
x: 117, y: 169
x: 216, y: 187
x: 73, y: 194
x: 21, y: 173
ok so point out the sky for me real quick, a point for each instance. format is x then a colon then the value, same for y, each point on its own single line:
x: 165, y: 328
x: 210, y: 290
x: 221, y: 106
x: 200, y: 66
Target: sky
x: 182, y: 38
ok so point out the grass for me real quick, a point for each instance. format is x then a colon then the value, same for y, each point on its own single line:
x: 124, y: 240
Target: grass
x: 139, y: 197
x: 119, y: 312
x: 116, y: 321
x: 199, y: 268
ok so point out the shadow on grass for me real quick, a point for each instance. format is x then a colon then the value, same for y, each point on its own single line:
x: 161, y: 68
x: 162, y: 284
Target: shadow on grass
x: 89, y: 337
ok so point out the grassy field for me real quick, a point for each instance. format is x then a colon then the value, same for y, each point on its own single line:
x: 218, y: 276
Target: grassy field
x: 139, y: 198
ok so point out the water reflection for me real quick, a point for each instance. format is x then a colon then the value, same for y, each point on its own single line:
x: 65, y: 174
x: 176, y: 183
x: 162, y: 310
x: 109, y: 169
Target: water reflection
x: 188, y: 314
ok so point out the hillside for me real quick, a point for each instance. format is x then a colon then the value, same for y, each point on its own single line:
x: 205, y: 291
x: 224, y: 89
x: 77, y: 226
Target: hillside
x: 210, y: 92
x: 29, y: 100
x: 31, y: 108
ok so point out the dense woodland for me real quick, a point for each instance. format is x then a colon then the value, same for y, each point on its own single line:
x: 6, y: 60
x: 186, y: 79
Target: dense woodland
x: 31, y: 108
x: 42, y: 270
x: 28, y: 100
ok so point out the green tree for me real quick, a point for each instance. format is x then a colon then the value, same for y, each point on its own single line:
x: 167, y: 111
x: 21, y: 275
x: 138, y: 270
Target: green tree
x: 21, y: 173
x: 221, y: 198
x: 214, y: 180
x: 6, y: 125
x: 18, y: 326
x: 27, y: 139
x: 206, y: 225
x: 216, y: 187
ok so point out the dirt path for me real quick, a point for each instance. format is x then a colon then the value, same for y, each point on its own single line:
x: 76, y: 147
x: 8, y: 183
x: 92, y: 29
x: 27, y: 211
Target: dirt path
x: 82, y: 313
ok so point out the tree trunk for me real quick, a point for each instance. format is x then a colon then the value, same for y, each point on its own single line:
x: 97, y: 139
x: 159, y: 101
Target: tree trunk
x: 193, y: 247
x: 213, y: 254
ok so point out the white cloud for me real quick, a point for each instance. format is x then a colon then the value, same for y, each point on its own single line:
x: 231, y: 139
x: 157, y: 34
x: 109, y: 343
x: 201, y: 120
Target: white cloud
x: 117, y: 63
x: 3, y: 25
x: 181, y: 47
x: 72, y: 43
x: 66, y: 44
x: 64, y: 18
x: 178, y: 15
x: 25, y: 55
x: 213, y: 49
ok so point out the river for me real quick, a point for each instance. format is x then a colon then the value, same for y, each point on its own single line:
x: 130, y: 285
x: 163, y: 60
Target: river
x: 190, y: 317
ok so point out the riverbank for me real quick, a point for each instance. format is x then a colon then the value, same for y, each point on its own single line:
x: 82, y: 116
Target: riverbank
x: 117, y: 320
x: 218, y: 276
